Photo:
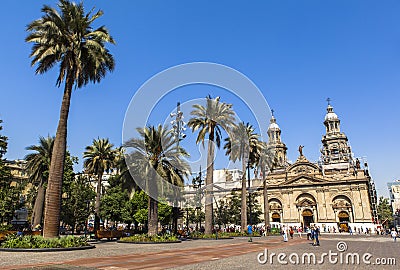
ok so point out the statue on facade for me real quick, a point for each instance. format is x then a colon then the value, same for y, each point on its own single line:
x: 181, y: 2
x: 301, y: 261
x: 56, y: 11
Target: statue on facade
x: 358, y: 164
x: 301, y: 150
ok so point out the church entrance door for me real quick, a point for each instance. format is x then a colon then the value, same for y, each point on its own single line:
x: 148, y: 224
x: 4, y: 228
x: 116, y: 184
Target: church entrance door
x: 344, y: 219
x: 308, y: 217
x: 276, y: 217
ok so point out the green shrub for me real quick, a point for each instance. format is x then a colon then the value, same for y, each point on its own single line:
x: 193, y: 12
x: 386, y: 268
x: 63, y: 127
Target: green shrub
x: 37, y: 241
x: 211, y: 236
x: 241, y: 234
x: 222, y: 235
x: 6, y: 227
x: 146, y: 238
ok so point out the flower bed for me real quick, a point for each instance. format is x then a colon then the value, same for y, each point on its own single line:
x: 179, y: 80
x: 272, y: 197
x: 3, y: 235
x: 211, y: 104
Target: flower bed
x: 213, y: 236
x: 146, y: 239
x: 37, y: 242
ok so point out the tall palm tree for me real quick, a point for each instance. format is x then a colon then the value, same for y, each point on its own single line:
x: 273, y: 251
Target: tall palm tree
x: 243, y: 145
x: 128, y: 183
x: 99, y: 158
x: 156, y: 157
x: 266, y: 162
x: 68, y: 39
x: 209, y: 120
x: 38, y: 164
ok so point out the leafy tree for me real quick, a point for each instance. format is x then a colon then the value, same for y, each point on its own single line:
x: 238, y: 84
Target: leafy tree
x: 74, y: 208
x: 114, y: 201
x: 67, y: 38
x: 99, y: 158
x: 156, y: 158
x: 38, y: 164
x: 137, y: 209
x: 234, y: 208
x: 196, y: 216
x: 243, y: 145
x: 256, y: 211
x: 9, y: 194
x: 209, y: 120
x: 164, y: 213
x: 384, y: 210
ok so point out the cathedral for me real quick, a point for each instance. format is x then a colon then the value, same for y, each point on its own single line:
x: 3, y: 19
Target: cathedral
x: 335, y: 192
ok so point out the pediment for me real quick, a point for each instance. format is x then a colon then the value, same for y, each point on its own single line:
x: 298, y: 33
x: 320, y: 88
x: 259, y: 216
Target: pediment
x: 304, y: 167
x: 303, y: 180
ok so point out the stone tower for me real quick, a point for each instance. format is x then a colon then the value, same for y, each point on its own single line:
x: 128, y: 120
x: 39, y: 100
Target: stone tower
x: 274, y: 142
x: 335, y: 147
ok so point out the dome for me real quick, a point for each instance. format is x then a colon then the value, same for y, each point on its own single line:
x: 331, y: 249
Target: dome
x: 273, y: 124
x: 330, y: 114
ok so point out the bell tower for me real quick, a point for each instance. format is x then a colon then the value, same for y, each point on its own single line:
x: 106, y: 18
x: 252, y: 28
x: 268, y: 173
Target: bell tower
x: 335, y: 147
x: 274, y: 142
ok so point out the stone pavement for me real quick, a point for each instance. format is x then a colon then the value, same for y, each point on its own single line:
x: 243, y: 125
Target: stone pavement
x: 235, y: 253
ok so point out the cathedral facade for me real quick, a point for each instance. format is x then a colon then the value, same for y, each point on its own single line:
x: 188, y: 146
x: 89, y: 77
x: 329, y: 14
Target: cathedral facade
x: 336, y: 192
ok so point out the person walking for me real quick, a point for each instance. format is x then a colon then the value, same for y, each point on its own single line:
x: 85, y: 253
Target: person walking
x: 299, y: 231
x: 316, y: 236
x: 250, y: 232
x: 394, y: 234
x: 308, y: 231
x: 291, y: 232
x: 285, y: 235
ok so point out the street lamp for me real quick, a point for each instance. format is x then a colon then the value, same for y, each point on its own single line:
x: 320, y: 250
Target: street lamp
x: 248, y: 182
x: 178, y: 126
x: 197, y: 181
x: 86, y: 222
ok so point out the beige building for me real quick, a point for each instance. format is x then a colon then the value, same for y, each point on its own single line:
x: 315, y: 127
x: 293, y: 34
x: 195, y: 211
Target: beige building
x: 18, y: 172
x: 335, y: 192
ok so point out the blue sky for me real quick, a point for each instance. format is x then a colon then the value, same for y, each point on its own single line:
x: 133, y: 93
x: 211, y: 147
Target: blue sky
x: 297, y: 52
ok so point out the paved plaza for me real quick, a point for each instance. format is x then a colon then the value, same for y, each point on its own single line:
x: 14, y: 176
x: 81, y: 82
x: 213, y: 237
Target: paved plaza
x: 235, y: 253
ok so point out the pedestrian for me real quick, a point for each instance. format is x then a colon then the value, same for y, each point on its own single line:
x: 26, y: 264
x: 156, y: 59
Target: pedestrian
x: 285, y: 236
x: 394, y: 234
x: 308, y: 231
x: 350, y: 231
x: 250, y: 232
x: 300, y: 230
x: 291, y: 232
x: 316, y: 236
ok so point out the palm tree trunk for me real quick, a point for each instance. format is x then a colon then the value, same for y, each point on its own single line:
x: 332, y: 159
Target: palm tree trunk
x: 243, y: 211
x: 265, y: 195
x: 38, y: 207
x: 152, y: 207
x: 152, y: 216
x: 209, y: 182
x: 53, y: 193
x: 97, y: 204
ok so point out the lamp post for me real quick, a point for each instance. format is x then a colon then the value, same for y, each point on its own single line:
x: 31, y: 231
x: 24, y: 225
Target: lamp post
x: 178, y: 126
x: 86, y: 221
x: 197, y: 181
x: 248, y: 182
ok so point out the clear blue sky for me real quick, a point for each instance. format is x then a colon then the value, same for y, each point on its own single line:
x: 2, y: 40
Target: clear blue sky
x: 297, y: 52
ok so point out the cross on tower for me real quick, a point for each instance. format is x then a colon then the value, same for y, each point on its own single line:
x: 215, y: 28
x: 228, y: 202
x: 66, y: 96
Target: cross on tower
x: 272, y: 111
x: 329, y: 101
